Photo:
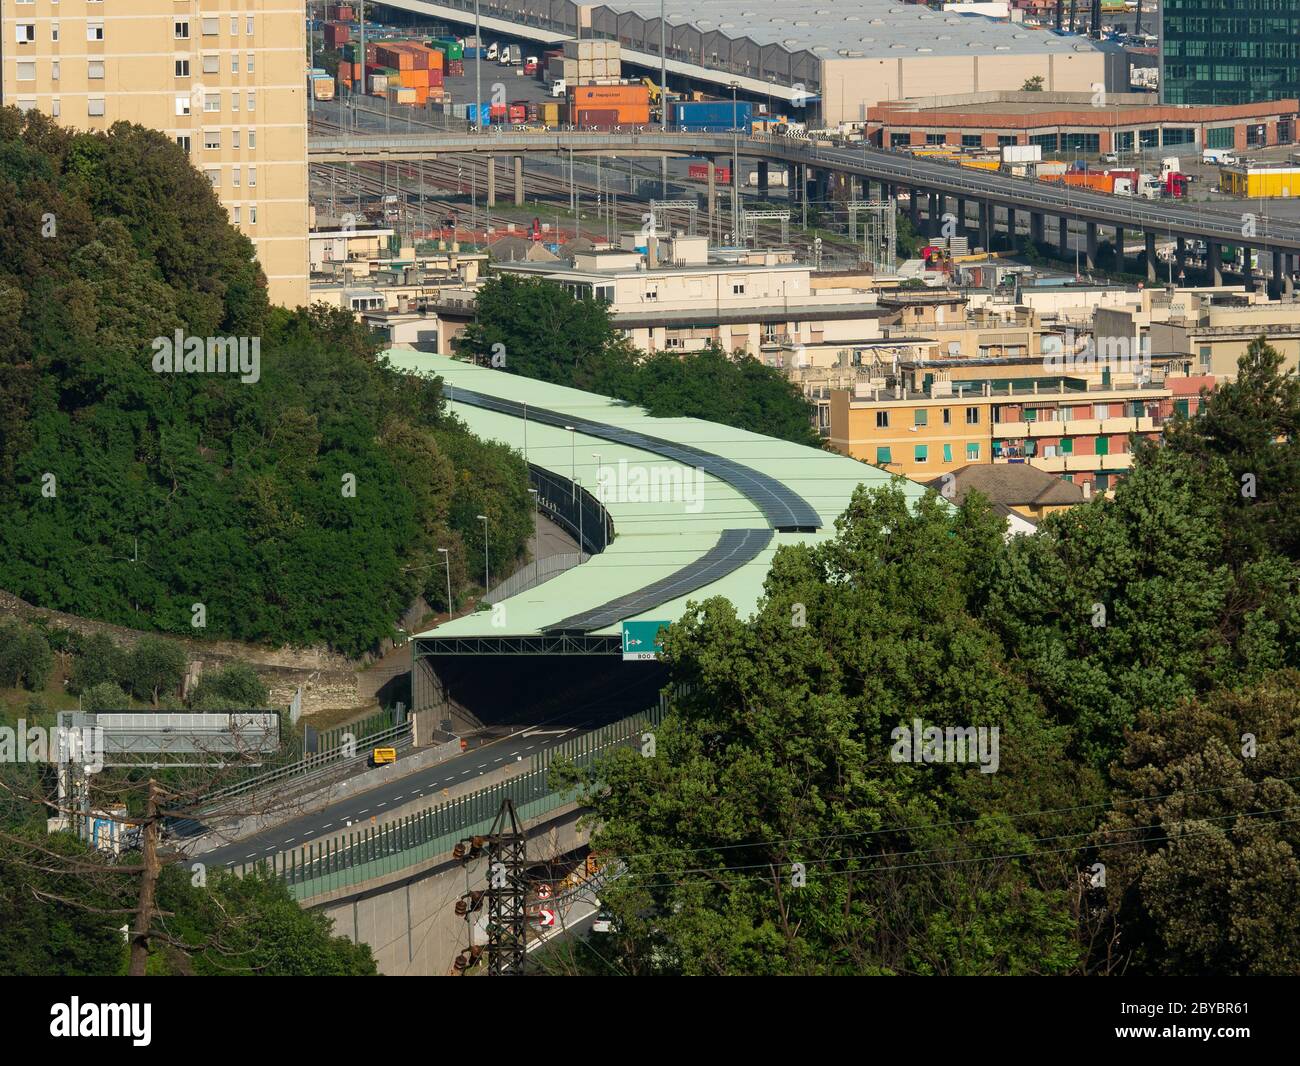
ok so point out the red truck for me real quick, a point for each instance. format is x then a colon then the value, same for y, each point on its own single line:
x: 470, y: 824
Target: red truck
x: 700, y: 172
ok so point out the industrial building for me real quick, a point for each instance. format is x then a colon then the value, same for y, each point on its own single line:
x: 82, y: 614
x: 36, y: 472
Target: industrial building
x: 1229, y: 51
x: 1087, y: 123
x: 834, y: 59
x: 229, y: 87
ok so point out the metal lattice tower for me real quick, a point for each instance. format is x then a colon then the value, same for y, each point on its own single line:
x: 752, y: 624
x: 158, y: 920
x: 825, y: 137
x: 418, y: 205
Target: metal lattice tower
x: 506, y: 894
x: 689, y: 206
x: 879, y: 233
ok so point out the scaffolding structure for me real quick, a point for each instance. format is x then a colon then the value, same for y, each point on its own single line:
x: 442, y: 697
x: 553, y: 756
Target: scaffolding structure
x: 879, y: 232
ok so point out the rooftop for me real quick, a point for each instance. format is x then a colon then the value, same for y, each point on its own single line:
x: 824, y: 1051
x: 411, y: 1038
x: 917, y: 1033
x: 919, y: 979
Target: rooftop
x: 1011, y: 484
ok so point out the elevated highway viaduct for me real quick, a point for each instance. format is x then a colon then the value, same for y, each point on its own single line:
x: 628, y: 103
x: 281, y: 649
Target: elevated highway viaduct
x: 866, y: 173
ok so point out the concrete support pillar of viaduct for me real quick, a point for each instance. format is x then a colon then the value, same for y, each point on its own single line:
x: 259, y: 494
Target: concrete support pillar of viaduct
x: 1180, y: 256
x: 519, y: 181
x: 1214, y: 261
x: 1275, y: 281
x: 1119, y: 249
x: 762, y: 178
x: 1090, y: 247
x: 1247, y: 272
x: 713, y: 195
x: 1037, y: 224
x: 914, y: 207
x: 935, y: 214
x: 985, y: 235
x: 491, y: 181
x: 1149, y: 255
x: 961, y: 216
x: 1011, y: 225
x: 1063, y: 237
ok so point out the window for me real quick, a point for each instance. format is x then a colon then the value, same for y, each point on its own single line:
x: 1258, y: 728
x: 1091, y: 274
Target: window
x: 211, y: 102
x: 1066, y: 447
x: 181, y: 29
x: 1206, y: 352
x: 237, y: 177
x: 25, y: 103
x: 235, y: 215
x: 252, y: 215
x: 54, y: 71
x: 211, y: 138
x: 1223, y: 137
x: 1101, y: 410
x: 182, y: 68
x: 252, y: 177
x: 183, y: 104
x: 972, y: 453
x: 95, y: 106
x: 234, y: 138
x: 972, y: 416
x: 211, y: 27
x: 603, y: 292
x: 214, y: 177
x: 935, y: 138
x: 27, y: 71
x: 920, y: 417
x: 55, y: 109
x: 971, y: 140
x: 1005, y: 139
x: 737, y: 288
x: 651, y: 293
x: 25, y: 32
x: 234, y: 25
x: 95, y: 70
x: 921, y: 453
x: 947, y: 453
x: 1103, y: 445
x: 883, y: 458
x: 94, y: 31
x: 183, y: 139
x: 882, y: 419
x: 947, y: 416
x: 54, y: 31
x: 900, y: 140
x: 250, y: 62
x: 252, y: 101
x: 248, y: 25
x: 234, y: 62
x: 210, y: 64
x: 234, y: 102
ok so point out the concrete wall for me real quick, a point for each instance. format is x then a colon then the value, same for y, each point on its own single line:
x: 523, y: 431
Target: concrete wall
x: 410, y: 921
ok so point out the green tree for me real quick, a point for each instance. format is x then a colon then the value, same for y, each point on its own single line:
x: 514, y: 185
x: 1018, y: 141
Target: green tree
x: 1033, y: 85
x: 155, y: 667
x: 97, y: 659
x: 1202, y: 849
x: 25, y: 656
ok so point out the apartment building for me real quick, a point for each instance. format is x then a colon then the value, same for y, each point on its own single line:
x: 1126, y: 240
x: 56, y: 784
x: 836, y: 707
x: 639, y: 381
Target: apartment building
x: 1209, y: 335
x: 667, y: 294
x: 225, y: 78
x: 1068, y: 427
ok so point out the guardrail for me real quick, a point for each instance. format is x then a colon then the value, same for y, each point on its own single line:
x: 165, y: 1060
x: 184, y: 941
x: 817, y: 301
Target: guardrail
x: 355, y: 857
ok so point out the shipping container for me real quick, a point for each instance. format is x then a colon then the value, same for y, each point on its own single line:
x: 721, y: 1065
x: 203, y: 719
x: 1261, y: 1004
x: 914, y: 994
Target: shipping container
x: 378, y: 84
x: 518, y: 114
x: 550, y: 113
x: 1022, y: 153
x: 415, y: 79
x: 456, y: 68
x: 322, y: 87
x: 336, y: 34
x: 435, y: 79
x: 400, y: 95
x: 595, y: 118
x: 711, y: 116
x: 498, y: 112
x: 609, y: 95
x: 721, y: 175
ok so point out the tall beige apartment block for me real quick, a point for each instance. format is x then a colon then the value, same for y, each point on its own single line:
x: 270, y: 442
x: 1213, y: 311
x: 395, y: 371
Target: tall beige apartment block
x: 225, y: 78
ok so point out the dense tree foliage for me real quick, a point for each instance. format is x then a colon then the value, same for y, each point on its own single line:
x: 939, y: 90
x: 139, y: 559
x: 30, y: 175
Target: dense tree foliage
x: 25, y: 656
x: 531, y: 327
x: 305, y: 506
x: 1139, y: 658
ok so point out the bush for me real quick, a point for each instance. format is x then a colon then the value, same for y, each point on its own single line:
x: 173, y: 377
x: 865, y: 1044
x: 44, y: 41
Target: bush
x: 235, y: 688
x: 25, y: 657
x: 106, y: 696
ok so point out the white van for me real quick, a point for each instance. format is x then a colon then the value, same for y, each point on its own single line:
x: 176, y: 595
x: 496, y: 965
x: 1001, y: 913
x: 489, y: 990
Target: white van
x: 1224, y: 157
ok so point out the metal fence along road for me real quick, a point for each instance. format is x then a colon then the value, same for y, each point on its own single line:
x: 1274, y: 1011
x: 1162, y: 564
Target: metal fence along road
x: 354, y: 857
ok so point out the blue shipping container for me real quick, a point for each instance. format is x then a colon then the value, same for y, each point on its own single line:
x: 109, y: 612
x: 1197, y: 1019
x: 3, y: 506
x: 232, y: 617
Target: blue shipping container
x: 712, y: 115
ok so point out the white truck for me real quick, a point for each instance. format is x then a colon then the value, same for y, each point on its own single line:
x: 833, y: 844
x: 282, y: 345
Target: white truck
x: 1224, y: 157
x: 558, y: 87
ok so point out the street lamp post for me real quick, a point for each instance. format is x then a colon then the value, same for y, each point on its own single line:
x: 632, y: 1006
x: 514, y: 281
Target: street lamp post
x: 735, y: 165
x: 603, y: 534
x: 486, y: 574
x: 478, y: 71
x: 446, y: 558
x: 573, y: 462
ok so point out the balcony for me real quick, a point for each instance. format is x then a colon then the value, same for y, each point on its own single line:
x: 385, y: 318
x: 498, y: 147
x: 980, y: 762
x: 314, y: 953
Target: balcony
x: 1077, y: 464
x: 1076, y: 427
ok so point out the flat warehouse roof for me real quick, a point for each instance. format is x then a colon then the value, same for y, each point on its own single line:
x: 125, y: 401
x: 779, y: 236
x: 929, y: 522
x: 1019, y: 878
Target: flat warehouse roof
x: 699, y: 524
x: 870, y: 28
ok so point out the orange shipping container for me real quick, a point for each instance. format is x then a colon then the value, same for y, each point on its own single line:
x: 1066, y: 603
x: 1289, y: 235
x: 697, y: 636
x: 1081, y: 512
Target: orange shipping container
x: 415, y: 79
x: 396, y: 58
x: 608, y: 96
